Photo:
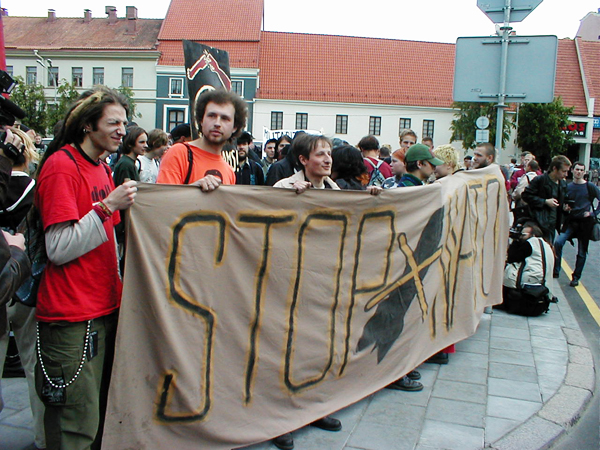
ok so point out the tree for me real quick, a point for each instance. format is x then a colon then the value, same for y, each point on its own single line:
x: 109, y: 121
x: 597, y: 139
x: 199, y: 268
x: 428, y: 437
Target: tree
x: 128, y: 93
x: 542, y: 129
x: 463, y: 126
x: 66, y: 95
x: 30, y: 98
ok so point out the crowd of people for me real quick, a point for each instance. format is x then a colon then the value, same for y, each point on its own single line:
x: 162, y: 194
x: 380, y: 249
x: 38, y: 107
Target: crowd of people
x: 89, y: 173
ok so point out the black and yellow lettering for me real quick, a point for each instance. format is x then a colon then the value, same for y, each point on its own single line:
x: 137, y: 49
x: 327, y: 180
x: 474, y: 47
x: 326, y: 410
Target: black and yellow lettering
x: 322, y: 219
x: 388, y: 216
x: 268, y: 221
x: 191, y: 306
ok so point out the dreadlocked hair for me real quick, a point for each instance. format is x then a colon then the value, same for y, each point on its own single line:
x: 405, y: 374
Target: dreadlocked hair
x: 86, y: 111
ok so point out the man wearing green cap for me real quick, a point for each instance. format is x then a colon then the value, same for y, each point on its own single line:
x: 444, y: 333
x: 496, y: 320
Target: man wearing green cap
x: 420, y: 165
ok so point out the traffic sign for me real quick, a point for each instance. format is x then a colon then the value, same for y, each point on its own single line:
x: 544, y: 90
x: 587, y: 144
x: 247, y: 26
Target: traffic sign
x: 482, y: 136
x: 482, y: 122
x: 531, y: 69
x: 519, y: 9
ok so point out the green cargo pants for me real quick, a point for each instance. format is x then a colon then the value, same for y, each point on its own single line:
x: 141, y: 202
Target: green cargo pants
x: 75, y: 415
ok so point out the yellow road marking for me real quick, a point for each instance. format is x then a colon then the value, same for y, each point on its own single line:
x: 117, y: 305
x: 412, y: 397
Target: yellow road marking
x: 585, y: 295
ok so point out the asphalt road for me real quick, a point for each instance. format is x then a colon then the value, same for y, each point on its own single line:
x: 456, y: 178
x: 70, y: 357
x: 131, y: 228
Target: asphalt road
x: 585, y: 435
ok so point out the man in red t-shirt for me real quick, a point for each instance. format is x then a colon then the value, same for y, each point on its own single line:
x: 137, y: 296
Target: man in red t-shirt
x: 220, y: 114
x: 80, y: 290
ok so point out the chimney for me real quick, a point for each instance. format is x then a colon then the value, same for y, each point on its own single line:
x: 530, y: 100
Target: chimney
x: 112, y: 14
x: 132, y: 12
x: 51, y: 15
x: 87, y: 15
x: 131, y: 20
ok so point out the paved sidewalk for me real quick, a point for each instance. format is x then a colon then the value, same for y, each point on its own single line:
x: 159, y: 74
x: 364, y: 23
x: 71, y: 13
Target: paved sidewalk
x: 517, y: 383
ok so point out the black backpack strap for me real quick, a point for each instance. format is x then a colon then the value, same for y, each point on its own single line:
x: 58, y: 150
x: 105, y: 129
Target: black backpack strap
x: 72, y: 158
x: 520, y: 272
x: 190, y: 164
x: 543, y: 253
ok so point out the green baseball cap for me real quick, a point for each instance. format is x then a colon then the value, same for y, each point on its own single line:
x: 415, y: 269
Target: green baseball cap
x: 420, y: 152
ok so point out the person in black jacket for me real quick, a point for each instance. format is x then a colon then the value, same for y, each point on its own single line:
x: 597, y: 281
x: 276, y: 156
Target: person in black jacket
x: 14, y: 264
x: 282, y: 169
x: 546, y: 195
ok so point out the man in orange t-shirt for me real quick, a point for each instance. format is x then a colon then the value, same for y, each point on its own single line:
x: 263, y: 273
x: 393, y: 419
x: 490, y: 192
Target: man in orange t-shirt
x: 221, y: 115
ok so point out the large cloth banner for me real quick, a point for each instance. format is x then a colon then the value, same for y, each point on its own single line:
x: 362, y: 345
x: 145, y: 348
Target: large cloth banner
x: 251, y: 311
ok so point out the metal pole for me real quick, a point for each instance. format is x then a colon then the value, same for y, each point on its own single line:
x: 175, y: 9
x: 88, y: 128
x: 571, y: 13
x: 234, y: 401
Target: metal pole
x: 503, y: 68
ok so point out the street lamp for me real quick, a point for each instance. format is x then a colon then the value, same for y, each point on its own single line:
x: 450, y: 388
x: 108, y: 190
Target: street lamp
x: 47, y: 64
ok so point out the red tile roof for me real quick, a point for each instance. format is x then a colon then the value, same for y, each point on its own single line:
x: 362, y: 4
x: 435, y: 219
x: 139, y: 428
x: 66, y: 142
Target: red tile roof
x: 568, y: 84
x: 74, y: 34
x: 241, y: 54
x: 216, y: 20
x: 355, y: 70
x: 590, y: 55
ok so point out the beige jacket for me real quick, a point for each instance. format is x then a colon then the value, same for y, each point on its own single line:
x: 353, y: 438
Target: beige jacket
x: 299, y: 176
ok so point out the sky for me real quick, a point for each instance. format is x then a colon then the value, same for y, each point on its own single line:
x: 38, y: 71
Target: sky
x: 422, y: 20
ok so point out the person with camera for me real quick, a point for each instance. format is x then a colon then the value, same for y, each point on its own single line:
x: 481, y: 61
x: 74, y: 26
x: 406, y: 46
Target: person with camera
x: 14, y: 264
x: 579, y: 222
x: 21, y: 317
x: 529, y: 265
x: 546, y: 194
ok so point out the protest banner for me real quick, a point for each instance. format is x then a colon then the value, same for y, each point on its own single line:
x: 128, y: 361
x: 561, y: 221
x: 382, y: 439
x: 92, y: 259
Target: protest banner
x: 251, y: 311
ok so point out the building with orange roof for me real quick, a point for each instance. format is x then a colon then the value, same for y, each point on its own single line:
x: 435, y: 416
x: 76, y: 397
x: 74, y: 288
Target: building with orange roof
x: 115, y: 51
x: 345, y: 87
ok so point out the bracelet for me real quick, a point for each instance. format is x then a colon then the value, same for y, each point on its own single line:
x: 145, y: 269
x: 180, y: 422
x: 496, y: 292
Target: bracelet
x: 105, y: 208
x: 100, y: 212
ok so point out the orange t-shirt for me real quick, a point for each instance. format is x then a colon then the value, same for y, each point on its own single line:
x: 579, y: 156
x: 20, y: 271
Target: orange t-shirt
x: 175, y: 165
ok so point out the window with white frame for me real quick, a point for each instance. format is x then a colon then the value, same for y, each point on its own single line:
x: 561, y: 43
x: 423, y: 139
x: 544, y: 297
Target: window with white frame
x: 276, y: 120
x: 301, y: 121
x: 375, y: 125
x: 31, y: 75
x: 77, y: 76
x: 98, y: 75
x: 175, y: 87
x: 9, y: 70
x: 127, y: 77
x: 428, y: 128
x: 341, y: 124
x: 404, y: 125
x: 175, y: 116
x: 237, y: 86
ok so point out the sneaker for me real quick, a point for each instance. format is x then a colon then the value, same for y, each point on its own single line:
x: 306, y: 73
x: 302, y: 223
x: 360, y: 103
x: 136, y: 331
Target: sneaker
x: 405, y: 384
x: 574, y: 282
x: 284, y: 442
x: 554, y: 275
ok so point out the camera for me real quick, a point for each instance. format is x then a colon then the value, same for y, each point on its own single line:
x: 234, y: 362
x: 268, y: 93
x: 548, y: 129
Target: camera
x: 516, y: 231
x: 9, y: 111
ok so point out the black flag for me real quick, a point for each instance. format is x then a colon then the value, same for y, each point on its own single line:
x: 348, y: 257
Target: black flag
x: 205, y: 68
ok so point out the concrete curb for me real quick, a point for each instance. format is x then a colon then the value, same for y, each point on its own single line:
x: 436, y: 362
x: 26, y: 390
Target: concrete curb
x: 566, y: 406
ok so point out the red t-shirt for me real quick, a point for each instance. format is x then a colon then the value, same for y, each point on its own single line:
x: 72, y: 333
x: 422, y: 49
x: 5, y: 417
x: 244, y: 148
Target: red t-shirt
x: 175, y: 165
x: 89, y: 286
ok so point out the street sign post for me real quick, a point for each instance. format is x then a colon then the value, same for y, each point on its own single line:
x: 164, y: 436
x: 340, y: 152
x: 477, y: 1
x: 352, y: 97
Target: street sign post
x: 519, y: 9
x: 503, y: 11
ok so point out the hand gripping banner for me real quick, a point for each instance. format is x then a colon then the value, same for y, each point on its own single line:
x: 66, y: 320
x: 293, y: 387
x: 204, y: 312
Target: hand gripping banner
x: 252, y: 311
